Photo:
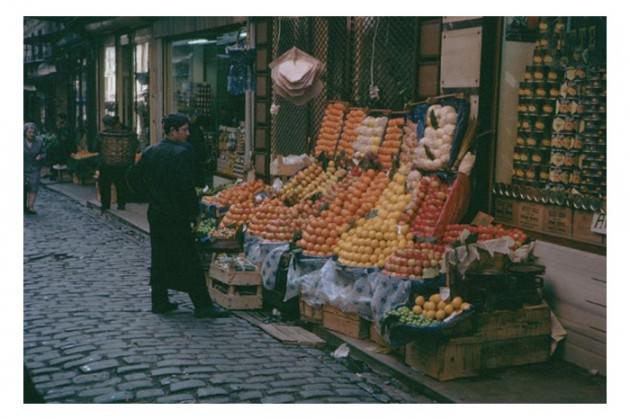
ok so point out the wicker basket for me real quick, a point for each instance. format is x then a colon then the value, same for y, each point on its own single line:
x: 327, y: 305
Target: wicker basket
x: 117, y: 148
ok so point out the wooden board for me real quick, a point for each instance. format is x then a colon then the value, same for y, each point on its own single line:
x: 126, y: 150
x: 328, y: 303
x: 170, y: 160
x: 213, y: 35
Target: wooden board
x: 347, y: 323
x: 291, y: 335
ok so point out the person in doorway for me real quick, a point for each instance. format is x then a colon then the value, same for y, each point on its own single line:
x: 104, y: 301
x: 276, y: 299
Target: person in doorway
x: 165, y: 170
x: 199, y: 124
x: 115, y: 174
x: 33, y: 159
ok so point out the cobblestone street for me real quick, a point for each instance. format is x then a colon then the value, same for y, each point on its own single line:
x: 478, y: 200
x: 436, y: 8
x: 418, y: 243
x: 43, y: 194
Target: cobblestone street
x: 89, y: 335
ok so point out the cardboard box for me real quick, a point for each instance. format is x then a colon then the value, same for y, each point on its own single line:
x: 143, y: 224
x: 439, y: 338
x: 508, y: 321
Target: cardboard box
x: 581, y: 229
x: 530, y: 216
x: 558, y: 221
x: 505, y: 211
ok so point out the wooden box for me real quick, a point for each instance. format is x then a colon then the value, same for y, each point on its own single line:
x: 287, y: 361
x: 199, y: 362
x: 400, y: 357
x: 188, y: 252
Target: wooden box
x: 235, y: 290
x: 311, y: 313
x: 503, y: 338
x: 581, y: 230
x: 349, y: 324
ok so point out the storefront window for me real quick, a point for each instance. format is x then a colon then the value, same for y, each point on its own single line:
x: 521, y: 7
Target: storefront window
x: 141, y: 93
x: 110, y: 80
x: 203, y: 85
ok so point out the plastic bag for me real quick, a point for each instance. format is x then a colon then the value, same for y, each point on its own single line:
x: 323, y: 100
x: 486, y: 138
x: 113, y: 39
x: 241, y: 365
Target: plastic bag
x: 299, y: 267
x: 348, y: 290
x: 389, y: 294
x: 270, y: 265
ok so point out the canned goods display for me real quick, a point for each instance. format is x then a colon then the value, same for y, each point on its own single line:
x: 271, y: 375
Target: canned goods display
x: 548, y: 106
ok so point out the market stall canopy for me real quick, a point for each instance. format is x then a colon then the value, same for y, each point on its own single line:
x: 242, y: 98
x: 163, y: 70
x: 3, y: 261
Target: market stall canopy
x: 296, y: 76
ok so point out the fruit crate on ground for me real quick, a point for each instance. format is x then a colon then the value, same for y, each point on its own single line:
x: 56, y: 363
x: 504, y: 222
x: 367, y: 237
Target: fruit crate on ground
x: 235, y: 290
x: 350, y: 324
x: 503, y: 338
x: 311, y: 313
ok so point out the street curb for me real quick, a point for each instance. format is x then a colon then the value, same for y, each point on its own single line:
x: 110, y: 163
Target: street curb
x: 94, y: 205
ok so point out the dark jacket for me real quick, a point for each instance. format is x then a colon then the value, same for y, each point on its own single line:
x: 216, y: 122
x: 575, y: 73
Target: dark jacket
x: 165, y: 172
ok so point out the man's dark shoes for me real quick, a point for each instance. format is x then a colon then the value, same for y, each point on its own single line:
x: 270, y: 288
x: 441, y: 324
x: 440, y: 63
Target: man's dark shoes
x: 163, y: 308
x: 211, y: 311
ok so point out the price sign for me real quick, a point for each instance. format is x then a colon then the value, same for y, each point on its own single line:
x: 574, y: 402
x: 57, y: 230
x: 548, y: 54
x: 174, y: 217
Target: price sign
x: 598, y: 225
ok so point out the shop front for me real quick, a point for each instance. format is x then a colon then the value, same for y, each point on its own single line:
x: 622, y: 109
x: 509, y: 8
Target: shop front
x: 405, y: 224
x: 207, y: 75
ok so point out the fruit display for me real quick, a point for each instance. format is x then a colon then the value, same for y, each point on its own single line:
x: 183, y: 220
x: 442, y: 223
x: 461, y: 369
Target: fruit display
x: 434, y: 149
x: 224, y: 233
x: 432, y: 195
x: 350, y: 132
x: 391, y: 142
x: 332, y: 177
x: 238, y: 193
x: 206, y: 227
x: 378, y: 235
x: 409, y: 142
x: 330, y: 129
x: 355, y: 196
x: 307, y: 182
x: 421, y: 260
x: 306, y: 209
x: 238, y: 214
x: 371, y: 131
x: 430, y: 311
x: 273, y: 221
x: 453, y: 232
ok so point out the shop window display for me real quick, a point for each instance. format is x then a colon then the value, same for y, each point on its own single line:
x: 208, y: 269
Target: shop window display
x: 205, y: 85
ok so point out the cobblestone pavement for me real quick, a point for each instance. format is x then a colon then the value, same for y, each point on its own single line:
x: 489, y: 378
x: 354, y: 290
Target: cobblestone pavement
x: 89, y: 336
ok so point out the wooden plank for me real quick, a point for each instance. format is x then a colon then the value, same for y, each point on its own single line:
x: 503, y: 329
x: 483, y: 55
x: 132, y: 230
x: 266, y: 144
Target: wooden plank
x: 291, y: 335
x: 584, y: 358
x: 572, y: 313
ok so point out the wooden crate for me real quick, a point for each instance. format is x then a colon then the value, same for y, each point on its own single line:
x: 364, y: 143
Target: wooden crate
x: 311, y: 313
x: 235, y: 290
x: 557, y: 220
x: 503, y: 338
x: 349, y: 324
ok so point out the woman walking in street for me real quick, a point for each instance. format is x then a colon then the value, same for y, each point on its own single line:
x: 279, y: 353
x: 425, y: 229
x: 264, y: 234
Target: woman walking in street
x: 33, y: 160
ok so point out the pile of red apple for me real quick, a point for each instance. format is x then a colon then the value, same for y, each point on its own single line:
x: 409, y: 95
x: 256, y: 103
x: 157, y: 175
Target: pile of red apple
x: 453, y: 231
x: 411, y: 262
x: 432, y: 194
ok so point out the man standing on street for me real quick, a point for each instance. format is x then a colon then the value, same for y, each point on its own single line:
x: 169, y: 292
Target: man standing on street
x: 166, y: 171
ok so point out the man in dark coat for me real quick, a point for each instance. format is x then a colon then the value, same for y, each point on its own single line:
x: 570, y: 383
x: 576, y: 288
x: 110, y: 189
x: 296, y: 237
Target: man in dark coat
x: 166, y: 171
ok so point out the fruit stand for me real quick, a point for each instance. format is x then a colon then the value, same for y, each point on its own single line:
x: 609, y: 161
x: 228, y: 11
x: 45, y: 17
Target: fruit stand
x: 366, y: 240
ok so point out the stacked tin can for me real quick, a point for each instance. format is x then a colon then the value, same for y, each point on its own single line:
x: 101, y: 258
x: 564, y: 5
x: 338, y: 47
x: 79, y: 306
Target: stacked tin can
x: 578, y: 144
x: 537, y: 105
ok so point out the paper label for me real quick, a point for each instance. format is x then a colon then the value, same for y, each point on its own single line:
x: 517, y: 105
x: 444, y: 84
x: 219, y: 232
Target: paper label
x: 598, y: 225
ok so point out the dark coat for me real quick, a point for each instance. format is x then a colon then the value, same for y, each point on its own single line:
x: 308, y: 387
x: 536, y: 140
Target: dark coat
x: 165, y: 171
